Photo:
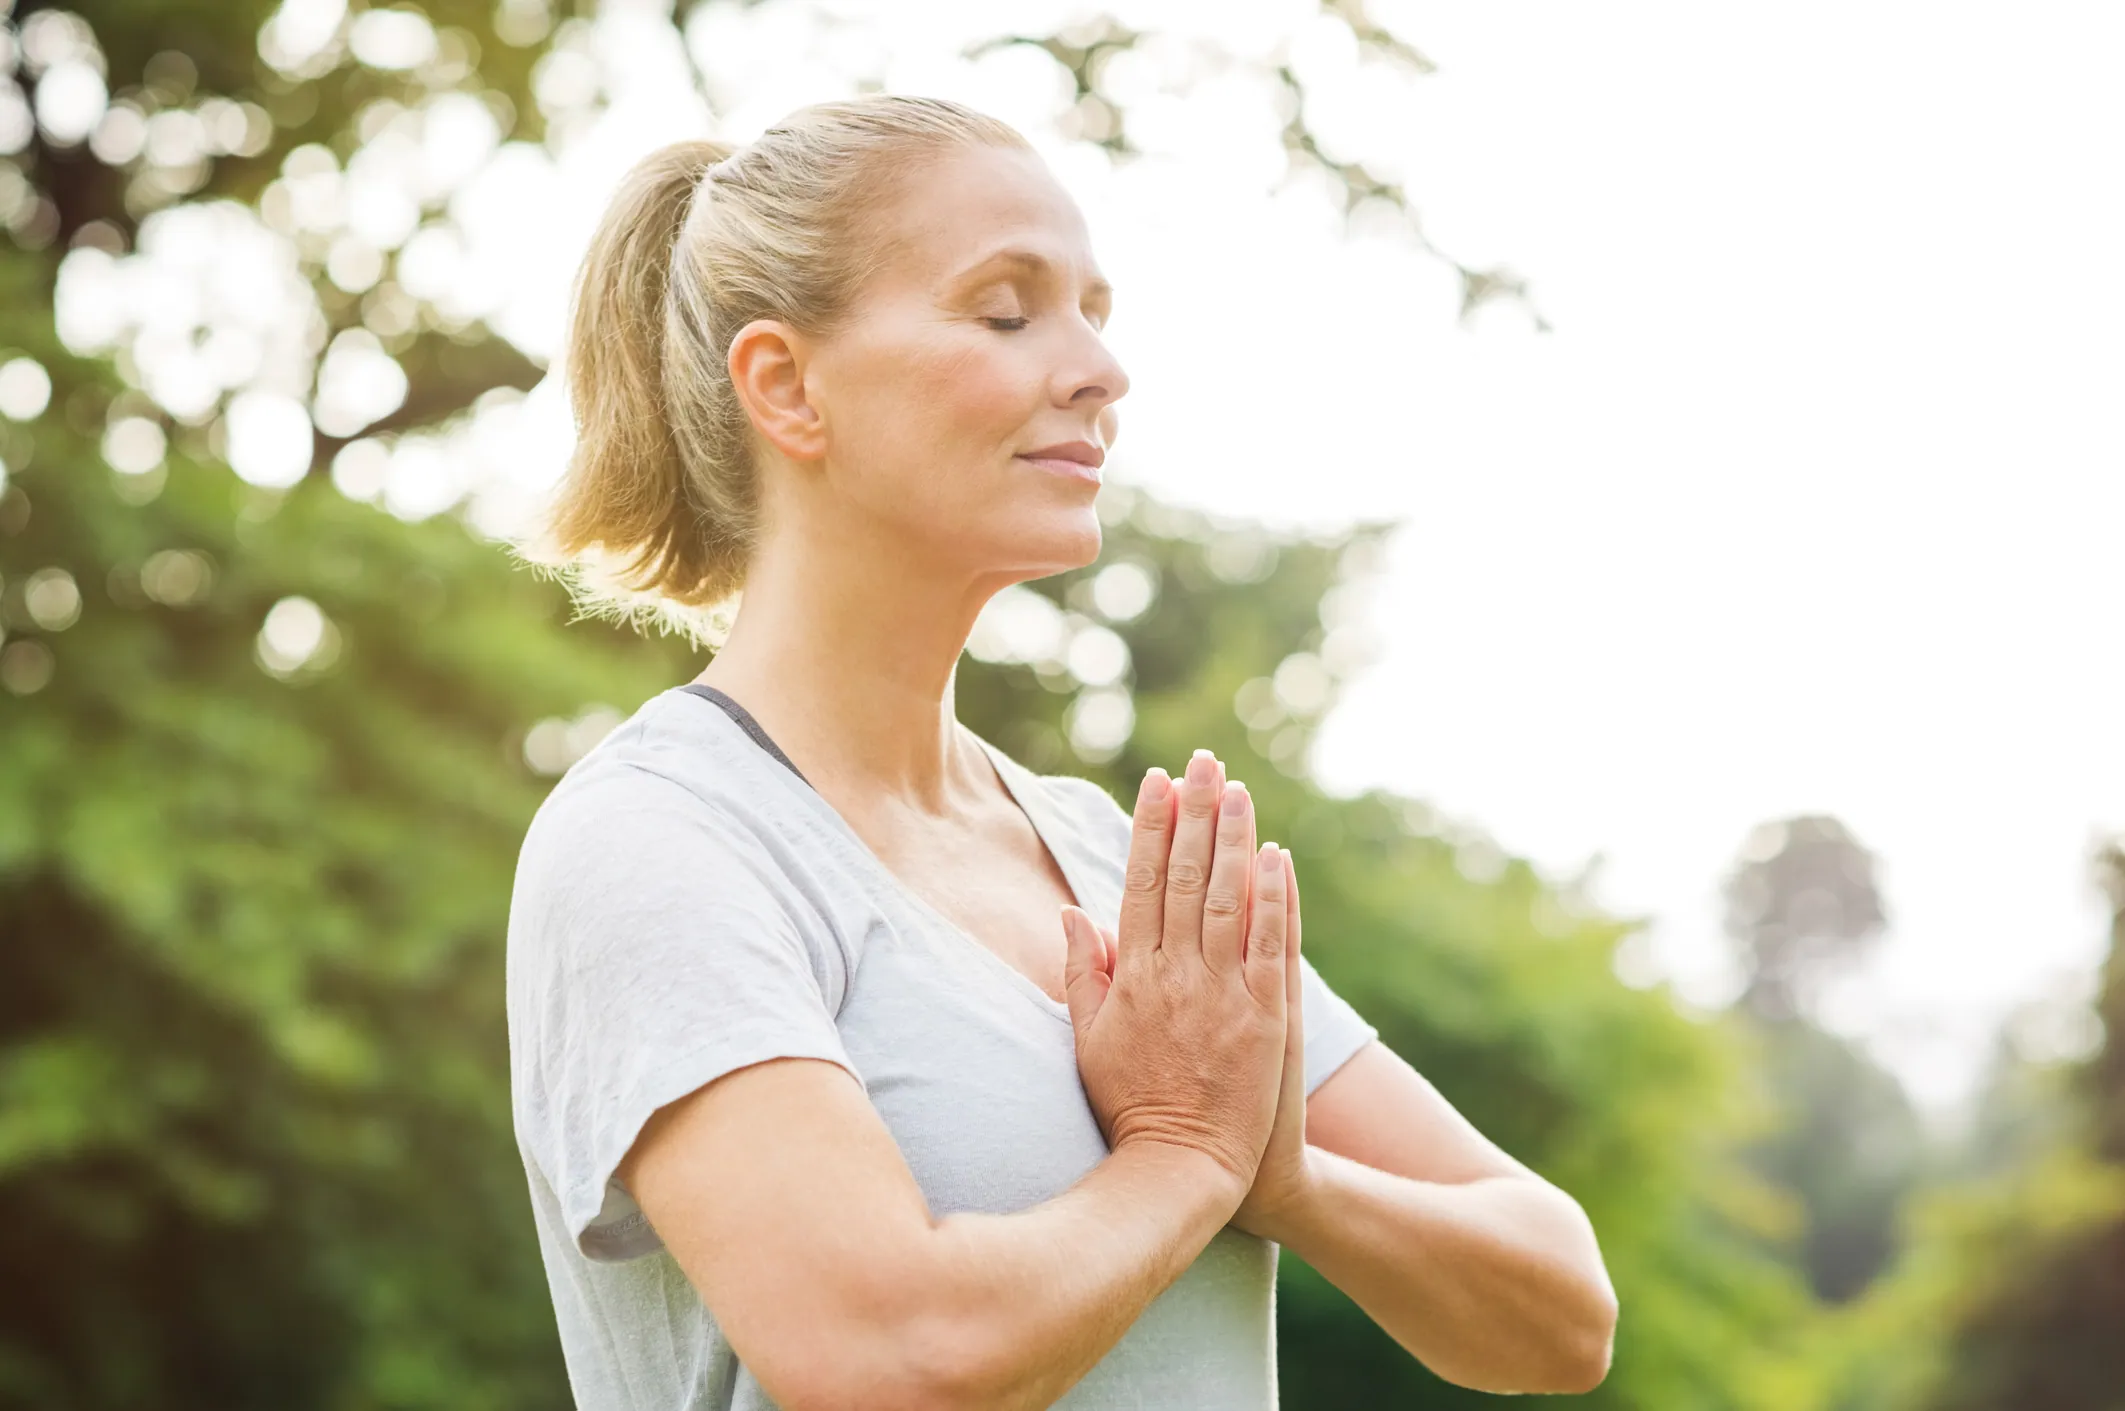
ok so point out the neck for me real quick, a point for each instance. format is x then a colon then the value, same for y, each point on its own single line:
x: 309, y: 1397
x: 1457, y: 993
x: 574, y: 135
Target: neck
x: 847, y: 653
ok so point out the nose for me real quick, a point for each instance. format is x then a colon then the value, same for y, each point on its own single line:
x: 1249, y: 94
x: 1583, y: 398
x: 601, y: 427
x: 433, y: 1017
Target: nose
x: 1098, y: 382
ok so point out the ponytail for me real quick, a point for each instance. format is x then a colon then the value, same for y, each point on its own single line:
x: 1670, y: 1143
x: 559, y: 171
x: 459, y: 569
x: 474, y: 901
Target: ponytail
x: 626, y: 512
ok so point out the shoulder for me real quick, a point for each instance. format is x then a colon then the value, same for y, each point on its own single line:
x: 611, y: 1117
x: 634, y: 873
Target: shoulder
x: 667, y: 849
x: 663, y: 793
x: 673, y: 752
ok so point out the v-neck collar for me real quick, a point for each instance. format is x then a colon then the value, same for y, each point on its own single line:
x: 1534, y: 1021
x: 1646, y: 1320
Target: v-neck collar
x: 1025, y: 790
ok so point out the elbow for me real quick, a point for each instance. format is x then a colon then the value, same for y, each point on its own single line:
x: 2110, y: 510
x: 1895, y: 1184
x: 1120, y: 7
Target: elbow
x: 1583, y: 1338
x: 899, y: 1382
x: 957, y: 1362
x: 1582, y: 1351
x: 916, y: 1362
x: 1589, y: 1356
x: 902, y: 1339
x: 1566, y: 1353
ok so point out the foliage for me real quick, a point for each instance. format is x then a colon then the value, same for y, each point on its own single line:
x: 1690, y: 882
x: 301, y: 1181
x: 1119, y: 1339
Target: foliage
x: 269, y: 753
x: 1848, y: 1146
x: 2011, y: 1288
x: 1802, y: 902
x: 2036, y: 1322
x: 1494, y: 983
x: 258, y: 924
x: 255, y: 1133
x: 1845, y: 1143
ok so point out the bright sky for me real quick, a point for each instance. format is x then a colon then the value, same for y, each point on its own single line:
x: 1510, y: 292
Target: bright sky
x: 1809, y: 503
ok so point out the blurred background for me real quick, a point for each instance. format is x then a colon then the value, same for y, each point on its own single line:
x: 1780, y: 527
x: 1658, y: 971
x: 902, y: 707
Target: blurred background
x: 1634, y: 489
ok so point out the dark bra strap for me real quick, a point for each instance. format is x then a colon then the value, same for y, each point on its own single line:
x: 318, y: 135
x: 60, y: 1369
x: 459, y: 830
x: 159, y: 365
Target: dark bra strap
x: 745, y: 721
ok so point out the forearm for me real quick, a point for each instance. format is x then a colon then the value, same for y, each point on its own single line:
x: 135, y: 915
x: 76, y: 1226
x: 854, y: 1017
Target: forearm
x: 1028, y: 1302
x: 1495, y: 1284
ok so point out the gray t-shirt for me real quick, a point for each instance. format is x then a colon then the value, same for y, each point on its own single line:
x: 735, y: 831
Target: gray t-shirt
x: 685, y: 905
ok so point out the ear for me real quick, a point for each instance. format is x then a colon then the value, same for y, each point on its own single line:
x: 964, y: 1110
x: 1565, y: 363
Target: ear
x: 768, y: 361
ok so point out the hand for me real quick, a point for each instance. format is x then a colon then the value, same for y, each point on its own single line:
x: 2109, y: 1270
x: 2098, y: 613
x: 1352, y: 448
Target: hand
x: 1181, y: 1033
x: 1281, y: 1180
x: 1280, y: 1183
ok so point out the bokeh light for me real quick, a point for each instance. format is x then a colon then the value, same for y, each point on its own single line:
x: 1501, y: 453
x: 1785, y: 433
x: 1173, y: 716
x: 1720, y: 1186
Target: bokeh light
x: 177, y: 577
x: 52, y: 599
x: 392, y: 38
x: 25, y: 389
x: 1018, y: 625
x: 134, y: 445
x: 1097, y: 656
x: 26, y: 667
x: 270, y: 442
x: 1123, y: 591
x: 1099, y: 722
x: 555, y: 743
x: 296, y: 638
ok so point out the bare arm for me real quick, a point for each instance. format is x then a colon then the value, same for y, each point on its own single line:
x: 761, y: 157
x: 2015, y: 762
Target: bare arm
x: 1479, y: 1268
x: 1484, y: 1271
x: 836, y: 1287
x: 780, y: 1192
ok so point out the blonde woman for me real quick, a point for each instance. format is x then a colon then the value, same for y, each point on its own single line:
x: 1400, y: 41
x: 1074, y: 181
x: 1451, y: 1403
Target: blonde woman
x: 821, y: 1105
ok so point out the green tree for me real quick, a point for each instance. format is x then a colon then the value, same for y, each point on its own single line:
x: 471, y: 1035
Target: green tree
x: 1846, y: 1143
x: 2008, y: 1289
x: 1802, y: 907
x: 2039, y: 1324
x: 1494, y: 982
x: 269, y: 751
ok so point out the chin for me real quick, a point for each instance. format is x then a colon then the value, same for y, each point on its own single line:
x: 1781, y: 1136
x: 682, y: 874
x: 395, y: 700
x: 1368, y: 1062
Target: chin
x: 1058, y: 541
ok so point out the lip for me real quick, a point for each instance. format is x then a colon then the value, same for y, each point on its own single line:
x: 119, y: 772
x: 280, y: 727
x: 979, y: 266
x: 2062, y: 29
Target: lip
x: 1079, y: 460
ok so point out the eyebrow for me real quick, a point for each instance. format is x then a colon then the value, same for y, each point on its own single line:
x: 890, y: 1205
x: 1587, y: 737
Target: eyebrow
x: 1034, y: 262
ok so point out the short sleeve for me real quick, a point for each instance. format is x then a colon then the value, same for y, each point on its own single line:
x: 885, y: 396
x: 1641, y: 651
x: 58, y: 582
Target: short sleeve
x: 1335, y: 1032
x: 653, y: 947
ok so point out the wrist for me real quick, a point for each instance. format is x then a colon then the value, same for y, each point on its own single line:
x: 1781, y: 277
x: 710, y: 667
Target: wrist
x: 1180, y: 1164
x: 1285, y: 1218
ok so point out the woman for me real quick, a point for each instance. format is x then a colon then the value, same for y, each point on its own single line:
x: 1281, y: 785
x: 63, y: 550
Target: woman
x: 819, y: 1106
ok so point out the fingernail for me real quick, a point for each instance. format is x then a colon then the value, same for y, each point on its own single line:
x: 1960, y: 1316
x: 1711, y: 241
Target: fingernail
x: 1202, y: 768
x: 1235, y: 799
x: 1154, y: 787
x: 1270, y: 860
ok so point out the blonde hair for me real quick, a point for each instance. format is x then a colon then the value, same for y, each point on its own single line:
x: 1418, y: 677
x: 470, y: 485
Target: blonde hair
x: 659, y: 511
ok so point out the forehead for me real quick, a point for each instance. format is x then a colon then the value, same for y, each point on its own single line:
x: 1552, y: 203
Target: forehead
x: 956, y: 216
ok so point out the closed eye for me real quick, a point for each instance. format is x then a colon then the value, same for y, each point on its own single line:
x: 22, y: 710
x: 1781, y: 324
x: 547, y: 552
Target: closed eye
x: 1012, y: 325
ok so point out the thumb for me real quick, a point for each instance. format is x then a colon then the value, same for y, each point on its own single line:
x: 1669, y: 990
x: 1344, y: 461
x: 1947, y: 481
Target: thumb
x: 1085, y: 982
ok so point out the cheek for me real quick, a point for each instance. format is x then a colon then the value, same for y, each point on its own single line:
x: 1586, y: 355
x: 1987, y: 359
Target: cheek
x: 930, y: 443
x: 974, y: 392
x: 940, y: 421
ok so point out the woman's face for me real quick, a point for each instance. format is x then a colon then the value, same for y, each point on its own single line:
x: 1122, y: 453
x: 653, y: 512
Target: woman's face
x: 976, y: 342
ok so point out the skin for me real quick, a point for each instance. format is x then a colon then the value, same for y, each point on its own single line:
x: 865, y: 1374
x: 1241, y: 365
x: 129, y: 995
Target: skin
x: 896, y: 507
